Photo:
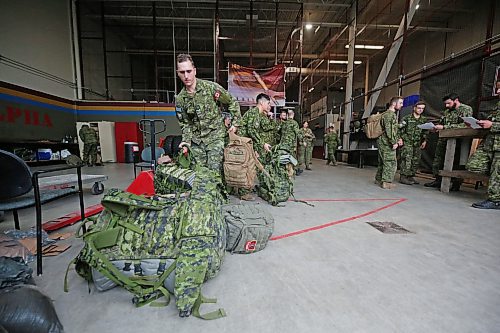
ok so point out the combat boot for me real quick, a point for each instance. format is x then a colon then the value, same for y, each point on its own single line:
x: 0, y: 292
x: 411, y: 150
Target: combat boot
x: 327, y: 162
x: 247, y: 197
x: 308, y: 168
x: 413, y: 180
x: 405, y: 180
x: 377, y: 182
x: 434, y: 183
x: 387, y: 186
x: 487, y: 204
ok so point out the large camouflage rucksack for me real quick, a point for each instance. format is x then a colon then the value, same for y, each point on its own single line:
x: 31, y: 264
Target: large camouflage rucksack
x: 158, y: 246
x: 249, y: 228
x: 275, y: 184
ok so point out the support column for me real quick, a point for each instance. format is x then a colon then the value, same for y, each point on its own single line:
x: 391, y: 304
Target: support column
x: 350, y: 75
x: 216, y: 43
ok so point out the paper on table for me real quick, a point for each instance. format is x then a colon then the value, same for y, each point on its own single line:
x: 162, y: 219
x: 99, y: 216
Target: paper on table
x: 472, y: 122
x: 426, y: 126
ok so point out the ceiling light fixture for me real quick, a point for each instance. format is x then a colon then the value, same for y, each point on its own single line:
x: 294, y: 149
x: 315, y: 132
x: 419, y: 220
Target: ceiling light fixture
x: 311, y: 89
x: 316, y: 30
x: 417, y: 6
x: 366, y: 47
x: 309, y: 26
x: 344, y: 62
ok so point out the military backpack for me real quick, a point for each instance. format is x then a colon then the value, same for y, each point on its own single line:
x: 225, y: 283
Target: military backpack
x: 158, y: 246
x: 248, y: 228
x: 240, y: 162
x: 373, y: 128
x: 275, y: 183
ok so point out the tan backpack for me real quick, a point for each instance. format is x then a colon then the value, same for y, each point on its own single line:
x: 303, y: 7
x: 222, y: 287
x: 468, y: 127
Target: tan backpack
x: 373, y: 128
x: 240, y: 161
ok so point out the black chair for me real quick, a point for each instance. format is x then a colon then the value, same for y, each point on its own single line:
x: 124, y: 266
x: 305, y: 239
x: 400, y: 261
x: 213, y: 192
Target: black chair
x: 20, y: 189
x: 146, y: 157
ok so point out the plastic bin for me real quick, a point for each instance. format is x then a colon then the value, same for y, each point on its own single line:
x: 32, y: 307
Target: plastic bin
x: 131, y: 150
x: 44, y: 154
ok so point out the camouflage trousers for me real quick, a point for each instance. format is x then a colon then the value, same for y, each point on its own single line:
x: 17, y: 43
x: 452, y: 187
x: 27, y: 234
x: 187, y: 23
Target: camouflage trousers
x: 387, y: 164
x: 208, y: 155
x: 304, y: 155
x: 90, y: 153
x: 438, y: 162
x: 190, y: 272
x: 331, y: 155
x: 487, y: 162
x: 410, y: 159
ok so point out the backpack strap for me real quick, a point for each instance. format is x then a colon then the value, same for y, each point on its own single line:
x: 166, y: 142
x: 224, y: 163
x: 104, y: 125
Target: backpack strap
x: 219, y: 313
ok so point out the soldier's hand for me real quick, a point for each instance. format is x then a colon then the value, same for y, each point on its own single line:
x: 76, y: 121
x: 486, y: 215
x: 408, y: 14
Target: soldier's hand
x: 233, y: 129
x: 305, y: 144
x: 485, y: 123
x: 395, y: 146
x: 267, y: 147
x: 164, y: 159
x: 400, y: 142
x: 439, y: 127
x: 423, y: 145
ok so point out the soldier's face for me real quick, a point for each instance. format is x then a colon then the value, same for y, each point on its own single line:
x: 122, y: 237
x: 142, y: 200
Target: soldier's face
x: 399, y: 105
x: 266, y: 105
x: 283, y: 116
x: 187, y: 73
x: 450, y: 104
x: 419, y: 109
x: 306, y: 124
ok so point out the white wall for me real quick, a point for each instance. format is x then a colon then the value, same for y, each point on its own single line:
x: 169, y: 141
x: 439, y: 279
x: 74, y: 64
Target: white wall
x: 38, y: 34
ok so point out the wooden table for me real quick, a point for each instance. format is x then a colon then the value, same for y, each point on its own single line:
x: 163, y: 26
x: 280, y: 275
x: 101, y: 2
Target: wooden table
x: 447, y: 173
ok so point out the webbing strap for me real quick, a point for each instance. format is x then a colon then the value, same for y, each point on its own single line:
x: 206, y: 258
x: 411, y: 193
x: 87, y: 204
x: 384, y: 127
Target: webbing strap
x: 219, y: 313
x: 131, y: 227
x: 72, y: 262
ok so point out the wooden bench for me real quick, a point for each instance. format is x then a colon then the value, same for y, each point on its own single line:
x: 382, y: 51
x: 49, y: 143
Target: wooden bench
x: 447, y: 173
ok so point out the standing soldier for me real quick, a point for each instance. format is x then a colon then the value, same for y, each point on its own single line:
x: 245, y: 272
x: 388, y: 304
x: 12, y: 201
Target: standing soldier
x: 289, y: 134
x: 486, y: 159
x: 387, y: 144
x: 451, y: 119
x: 201, y: 121
x: 90, y: 142
x: 414, y: 140
x: 256, y: 125
x: 332, y: 141
x: 306, y: 146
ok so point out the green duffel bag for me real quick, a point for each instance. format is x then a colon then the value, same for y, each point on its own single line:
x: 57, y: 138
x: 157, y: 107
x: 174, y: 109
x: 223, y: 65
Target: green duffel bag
x: 249, y: 228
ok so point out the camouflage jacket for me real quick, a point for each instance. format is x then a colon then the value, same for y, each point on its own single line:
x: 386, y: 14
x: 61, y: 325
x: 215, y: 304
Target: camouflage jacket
x: 199, y: 115
x: 495, y: 128
x: 332, y: 139
x: 451, y: 118
x: 258, y: 127
x: 88, y: 135
x: 307, y: 136
x: 409, y: 131
x: 390, y: 126
x: 289, y: 134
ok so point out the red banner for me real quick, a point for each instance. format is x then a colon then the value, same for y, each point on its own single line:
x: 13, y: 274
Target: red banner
x: 245, y: 83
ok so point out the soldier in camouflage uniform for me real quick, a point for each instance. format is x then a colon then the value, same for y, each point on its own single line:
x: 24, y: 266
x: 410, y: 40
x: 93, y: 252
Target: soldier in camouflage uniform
x: 201, y: 121
x: 414, y: 140
x: 387, y: 144
x: 90, y: 142
x: 451, y: 119
x: 289, y: 134
x: 306, y: 146
x: 256, y: 125
x: 486, y: 159
x: 332, y: 141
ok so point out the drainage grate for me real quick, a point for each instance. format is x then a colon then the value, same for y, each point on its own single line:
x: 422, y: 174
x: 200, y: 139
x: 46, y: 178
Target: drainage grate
x: 389, y: 228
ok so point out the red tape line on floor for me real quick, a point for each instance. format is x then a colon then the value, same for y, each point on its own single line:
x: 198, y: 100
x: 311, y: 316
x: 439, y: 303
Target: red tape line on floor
x: 329, y: 224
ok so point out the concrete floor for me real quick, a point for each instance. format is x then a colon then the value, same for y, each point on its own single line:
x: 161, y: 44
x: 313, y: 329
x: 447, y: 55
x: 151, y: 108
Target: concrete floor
x: 345, y: 277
